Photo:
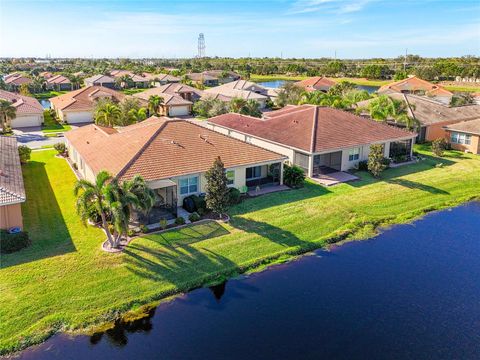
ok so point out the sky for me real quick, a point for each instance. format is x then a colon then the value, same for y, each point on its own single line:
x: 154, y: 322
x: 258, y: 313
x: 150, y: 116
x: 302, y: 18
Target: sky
x: 297, y: 28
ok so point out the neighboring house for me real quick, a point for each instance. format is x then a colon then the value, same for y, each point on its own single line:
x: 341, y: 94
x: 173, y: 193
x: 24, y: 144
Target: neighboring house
x: 77, y: 106
x: 12, y: 190
x: 100, y: 80
x: 465, y: 136
x: 223, y: 76
x: 46, y: 75
x: 173, y: 105
x: 432, y: 115
x: 15, y: 80
x: 316, y: 83
x: 139, y: 80
x: 172, y: 155
x: 186, y: 92
x: 202, y: 79
x: 239, y: 89
x: 29, y: 112
x: 317, y: 139
x: 416, y: 86
x: 59, y: 83
x: 163, y: 79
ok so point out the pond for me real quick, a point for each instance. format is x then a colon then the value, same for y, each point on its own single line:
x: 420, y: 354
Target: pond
x: 411, y: 292
x: 45, y: 103
x: 278, y: 83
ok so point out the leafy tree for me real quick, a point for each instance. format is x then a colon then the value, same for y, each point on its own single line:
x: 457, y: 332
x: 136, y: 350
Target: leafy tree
x: 289, y: 94
x: 24, y: 152
x: 219, y: 107
x: 60, y: 147
x: 155, y: 103
x: 342, y: 88
x: 7, y: 113
x: 376, y: 162
x: 400, y: 75
x: 439, y: 146
x: 216, y: 189
x: 375, y: 71
x: 107, y: 114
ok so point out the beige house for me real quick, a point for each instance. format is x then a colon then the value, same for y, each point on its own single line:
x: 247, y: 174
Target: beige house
x: 172, y: 105
x: 100, y: 80
x: 29, y: 112
x: 239, y: 89
x: 76, y: 107
x: 172, y: 155
x: 12, y: 191
x: 464, y: 136
x: 317, y: 139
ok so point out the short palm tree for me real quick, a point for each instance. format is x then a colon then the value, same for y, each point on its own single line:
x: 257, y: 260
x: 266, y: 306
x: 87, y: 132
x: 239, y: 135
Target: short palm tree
x: 107, y: 114
x: 154, y: 104
x: 96, y: 194
x: 236, y: 104
x: 7, y: 113
x: 137, y: 115
x: 252, y: 108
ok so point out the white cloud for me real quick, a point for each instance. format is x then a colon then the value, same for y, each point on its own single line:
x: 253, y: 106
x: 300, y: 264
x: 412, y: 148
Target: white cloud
x: 328, y: 6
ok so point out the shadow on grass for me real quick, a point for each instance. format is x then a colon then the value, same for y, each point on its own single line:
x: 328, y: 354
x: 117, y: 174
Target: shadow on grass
x: 416, y: 185
x: 42, y: 219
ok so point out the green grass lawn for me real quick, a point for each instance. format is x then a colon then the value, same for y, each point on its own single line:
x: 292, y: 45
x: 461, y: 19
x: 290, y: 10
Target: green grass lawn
x: 64, y: 281
x: 48, y: 94
x: 462, y: 88
x: 132, y: 91
x: 50, y: 125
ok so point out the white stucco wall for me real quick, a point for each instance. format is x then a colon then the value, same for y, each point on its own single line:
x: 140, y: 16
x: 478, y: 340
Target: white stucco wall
x: 27, y: 120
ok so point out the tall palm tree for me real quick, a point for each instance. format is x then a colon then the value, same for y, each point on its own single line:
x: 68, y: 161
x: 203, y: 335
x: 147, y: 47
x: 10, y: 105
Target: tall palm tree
x: 154, y: 104
x: 107, y: 114
x: 7, y: 113
x: 96, y: 194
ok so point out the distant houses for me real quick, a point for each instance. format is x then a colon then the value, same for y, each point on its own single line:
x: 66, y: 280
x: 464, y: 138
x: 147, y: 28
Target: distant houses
x: 172, y: 104
x: 238, y: 89
x: 316, y: 83
x: 59, y: 83
x: 100, y: 80
x: 213, y: 77
x: 29, y: 112
x: 416, y: 86
x: 15, y: 80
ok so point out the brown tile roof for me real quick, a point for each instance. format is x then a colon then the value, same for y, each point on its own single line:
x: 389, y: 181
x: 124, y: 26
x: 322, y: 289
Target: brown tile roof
x: 177, y: 89
x: 219, y: 73
x: 469, y: 127
x: 17, y: 79
x: 84, y: 98
x: 165, y: 77
x: 200, y: 77
x: 159, y: 148
x: 58, y: 79
x: 313, y: 128
x: 12, y: 189
x: 23, y: 104
x: 240, y: 88
x: 168, y: 99
x: 100, y: 79
x: 316, y: 83
x: 414, y: 83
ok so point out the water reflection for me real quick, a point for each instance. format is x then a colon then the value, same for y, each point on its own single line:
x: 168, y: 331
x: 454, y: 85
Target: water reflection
x: 218, y: 290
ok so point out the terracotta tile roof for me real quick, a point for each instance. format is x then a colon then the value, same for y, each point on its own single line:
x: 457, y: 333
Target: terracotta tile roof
x: 160, y: 148
x: 316, y: 83
x: 166, y: 77
x: 240, y: 88
x: 46, y: 74
x: 200, y: 77
x: 469, y: 127
x: 313, y: 128
x: 23, y: 104
x: 168, y: 99
x: 12, y: 189
x: 17, y: 79
x: 177, y: 89
x: 218, y: 73
x: 84, y: 98
x: 58, y: 79
x: 414, y: 83
x: 99, y: 79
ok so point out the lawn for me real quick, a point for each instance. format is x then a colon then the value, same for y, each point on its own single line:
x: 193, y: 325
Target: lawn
x: 48, y: 94
x: 65, y: 282
x: 50, y: 125
x: 132, y: 91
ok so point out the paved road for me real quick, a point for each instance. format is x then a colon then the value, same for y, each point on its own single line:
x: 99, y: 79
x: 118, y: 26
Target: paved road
x: 34, y: 139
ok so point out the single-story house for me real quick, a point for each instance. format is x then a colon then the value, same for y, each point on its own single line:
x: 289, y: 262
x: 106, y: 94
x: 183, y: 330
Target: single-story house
x: 202, y: 79
x: 465, y: 136
x: 100, y: 80
x: 223, y: 76
x: 29, y: 112
x: 163, y: 79
x: 139, y: 80
x: 46, y: 74
x: 77, y: 106
x: 432, y: 115
x: 15, y: 80
x: 58, y: 82
x: 239, y: 89
x: 416, y: 86
x: 173, y: 105
x: 317, y: 139
x: 316, y: 83
x: 184, y: 91
x: 172, y: 155
x: 12, y: 190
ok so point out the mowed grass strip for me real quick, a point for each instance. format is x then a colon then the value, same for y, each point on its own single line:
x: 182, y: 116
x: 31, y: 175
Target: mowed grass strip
x: 65, y: 282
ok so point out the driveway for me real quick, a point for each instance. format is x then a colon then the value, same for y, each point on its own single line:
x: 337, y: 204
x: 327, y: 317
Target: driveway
x: 34, y: 138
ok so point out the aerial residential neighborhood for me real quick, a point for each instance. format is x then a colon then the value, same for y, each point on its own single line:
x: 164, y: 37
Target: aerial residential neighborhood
x: 171, y: 190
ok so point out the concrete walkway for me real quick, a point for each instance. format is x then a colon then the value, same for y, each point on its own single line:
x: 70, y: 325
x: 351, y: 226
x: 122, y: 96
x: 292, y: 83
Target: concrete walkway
x: 334, y: 178
x: 268, y: 190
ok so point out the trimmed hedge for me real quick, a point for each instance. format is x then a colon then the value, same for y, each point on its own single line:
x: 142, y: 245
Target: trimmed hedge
x: 10, y: 243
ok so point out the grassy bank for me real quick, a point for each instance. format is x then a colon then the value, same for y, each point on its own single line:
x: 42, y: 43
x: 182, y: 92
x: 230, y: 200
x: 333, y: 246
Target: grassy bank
x: 65, y: 282
x: 457, y: 88
x: 51, y: 126
x: 48, y: 94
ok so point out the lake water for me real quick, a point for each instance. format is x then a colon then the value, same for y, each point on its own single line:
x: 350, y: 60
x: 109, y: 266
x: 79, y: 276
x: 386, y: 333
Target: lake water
x: 413, y: 292
x: 45, y: 103
x: 278, y: 83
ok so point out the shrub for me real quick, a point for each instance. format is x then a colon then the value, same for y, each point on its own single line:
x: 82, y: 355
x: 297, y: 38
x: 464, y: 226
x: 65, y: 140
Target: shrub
x: 439, y: 146
x: 75, y: 166
x: 10, y: 243
x: 194, y: 217
x: 179, y: 220
x: 234, y: 196
x: 363, y: 165
x: 199, y: 202
x: 143, y: 228
x: 387, y: 161
x: 163, y: 223
x: 293, y: 176
x: 376, y: 161
x: 130, y: 232
x: 24, y: 152
x: 60, y: 147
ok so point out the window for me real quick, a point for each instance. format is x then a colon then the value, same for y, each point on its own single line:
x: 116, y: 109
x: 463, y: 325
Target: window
x: 254, y: 172
x: 230, y: 177
x: 354, y: 154
x: 189, y: 185
x: 460, y: 138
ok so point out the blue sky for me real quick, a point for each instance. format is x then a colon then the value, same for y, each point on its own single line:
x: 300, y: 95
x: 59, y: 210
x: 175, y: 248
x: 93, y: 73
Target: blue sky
x: 301, y: 28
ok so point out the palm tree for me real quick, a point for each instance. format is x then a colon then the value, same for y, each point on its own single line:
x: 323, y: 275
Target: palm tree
x: 154, y: 104
x: 252, y: 108
x: 95, y: 194
x: 107, y: 114
x: 236, y: 104
x: 7, y: 113
x: 75, y: 80
x: 137, y: 115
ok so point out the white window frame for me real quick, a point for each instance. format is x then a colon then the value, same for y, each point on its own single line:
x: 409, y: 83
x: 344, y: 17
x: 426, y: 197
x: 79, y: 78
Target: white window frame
x: 354, y: 154
x: 460, y: 138
x: 230, y: 182
x: 255, y: 177
x: 189, y: 184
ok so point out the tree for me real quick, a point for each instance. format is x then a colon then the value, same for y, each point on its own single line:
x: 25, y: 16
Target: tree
x: 236, y: 104
x: 219, y: 107
x: 107, y: 114
x: 95, y: 194
x: 130, y: 111
x: 342, y: 88
x: 7, y: 113
x: 384, y: 107
x: 24, y: 90
x: 155, y: 103
x: 400, y: 75
x: 24, y: 152
x: 439, y: 146
x: 375, y: 71
x: 289, y: 94
x: 252, y: 108
x: 137, y: 115
x: 216, y: 189
x: 376, y: 162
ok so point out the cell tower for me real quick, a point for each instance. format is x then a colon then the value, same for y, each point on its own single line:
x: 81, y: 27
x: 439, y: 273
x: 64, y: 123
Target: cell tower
x: 201, y: 46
